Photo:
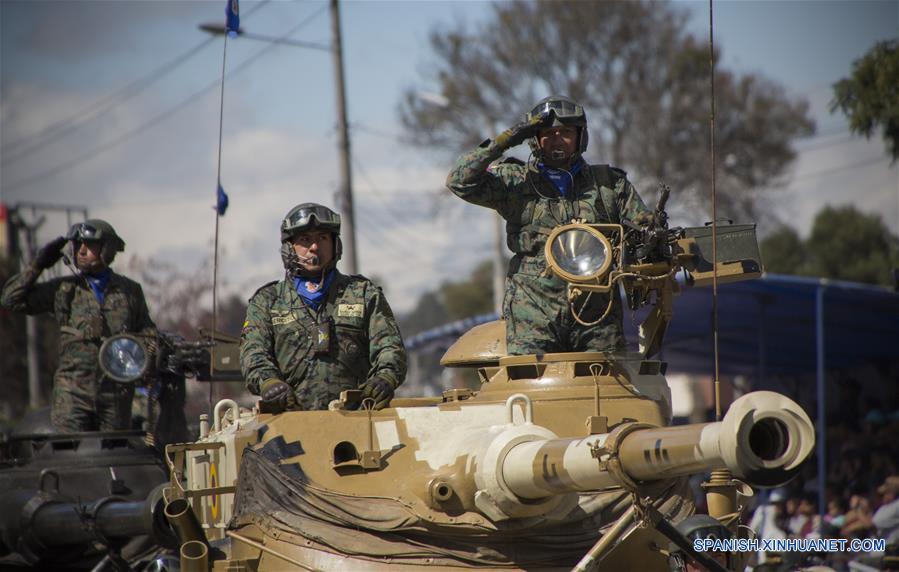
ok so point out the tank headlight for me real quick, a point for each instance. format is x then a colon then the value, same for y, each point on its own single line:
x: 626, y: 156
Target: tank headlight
x: 123, y: 358
x: 578, y: 253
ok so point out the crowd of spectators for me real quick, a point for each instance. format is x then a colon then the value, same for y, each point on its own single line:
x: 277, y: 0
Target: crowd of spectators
x: 861, y: 490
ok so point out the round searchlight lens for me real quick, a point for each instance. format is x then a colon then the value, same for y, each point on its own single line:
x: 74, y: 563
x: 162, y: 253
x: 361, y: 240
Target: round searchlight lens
x: 580, y: 253
x: 123, y: 358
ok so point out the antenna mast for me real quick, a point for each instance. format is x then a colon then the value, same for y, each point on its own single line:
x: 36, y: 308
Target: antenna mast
x: 717, y: 381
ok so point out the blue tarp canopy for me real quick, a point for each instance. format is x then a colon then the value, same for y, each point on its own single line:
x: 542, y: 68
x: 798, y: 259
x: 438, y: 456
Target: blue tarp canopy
x: 767, y: 326
x: 770, y: 326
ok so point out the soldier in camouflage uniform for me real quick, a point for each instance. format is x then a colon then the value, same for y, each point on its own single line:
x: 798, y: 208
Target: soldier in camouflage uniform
x: 89, y: 307
x: 555, y: 188
x: 318, y: 332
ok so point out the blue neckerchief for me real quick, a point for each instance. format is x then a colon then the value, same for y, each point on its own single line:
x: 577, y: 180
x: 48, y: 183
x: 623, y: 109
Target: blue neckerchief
x: 561, y: 178
x: 313, y: 298
x: 98, y: 284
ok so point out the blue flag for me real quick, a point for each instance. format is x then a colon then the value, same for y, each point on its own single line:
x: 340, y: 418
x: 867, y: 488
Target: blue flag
x: 232, y: 18
x: 221, y: 201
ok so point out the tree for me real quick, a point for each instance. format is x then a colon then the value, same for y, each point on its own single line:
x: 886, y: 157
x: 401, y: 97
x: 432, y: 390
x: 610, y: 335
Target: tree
x: 870, y: 96
x: 783, y: 252
x: 174, y: 295
x: 844, y: 244
x: 472, y: 297
x: 429, y: 312
x: 452, y: 301
x: 641, y: 77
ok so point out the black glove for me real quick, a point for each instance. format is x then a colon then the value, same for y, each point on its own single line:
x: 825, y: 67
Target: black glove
x: 379, y: 390
x: 50, y: 253
x: 276, y: 396
x: 518, y: 134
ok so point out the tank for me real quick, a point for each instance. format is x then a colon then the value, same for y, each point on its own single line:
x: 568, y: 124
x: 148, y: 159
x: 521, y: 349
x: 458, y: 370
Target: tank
x: 94, y: 500
x: 77, y: 498
x: 557, y: 461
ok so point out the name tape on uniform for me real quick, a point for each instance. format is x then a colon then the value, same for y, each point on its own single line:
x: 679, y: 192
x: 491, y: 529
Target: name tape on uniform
x: 284, y: 319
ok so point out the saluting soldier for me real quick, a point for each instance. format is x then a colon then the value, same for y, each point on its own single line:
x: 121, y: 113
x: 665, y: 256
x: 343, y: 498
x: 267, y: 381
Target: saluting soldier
x: 89, y: 307
x: 318, y: 332
x: 554, y: 188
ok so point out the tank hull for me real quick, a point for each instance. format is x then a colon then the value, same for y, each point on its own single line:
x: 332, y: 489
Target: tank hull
x: 527, y: 473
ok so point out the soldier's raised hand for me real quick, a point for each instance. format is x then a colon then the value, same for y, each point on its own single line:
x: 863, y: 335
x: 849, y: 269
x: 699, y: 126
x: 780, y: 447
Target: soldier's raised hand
x: 50, y: 253
x: 519, y: 133
x: 379, y: 390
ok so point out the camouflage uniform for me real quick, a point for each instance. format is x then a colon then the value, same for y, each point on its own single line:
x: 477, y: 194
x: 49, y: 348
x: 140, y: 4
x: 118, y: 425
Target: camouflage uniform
x: 83, y: 398
x: 279, y: 337
x: 538, y: 319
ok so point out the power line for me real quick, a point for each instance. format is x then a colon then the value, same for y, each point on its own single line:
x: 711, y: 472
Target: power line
x: 384, y: 201
x: 155, y: 119
x: 357, y: 126
x: 31, y: 143
x: 863, y: 163
x: 842, y: 139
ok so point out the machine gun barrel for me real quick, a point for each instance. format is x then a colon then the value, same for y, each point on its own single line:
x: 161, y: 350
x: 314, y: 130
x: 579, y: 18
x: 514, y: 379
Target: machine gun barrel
x: 763, y: 439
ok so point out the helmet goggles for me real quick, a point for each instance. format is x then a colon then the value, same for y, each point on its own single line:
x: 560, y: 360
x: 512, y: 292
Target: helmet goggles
x: 563, y: 110
x: 83, y: 232
x: 315, y: 216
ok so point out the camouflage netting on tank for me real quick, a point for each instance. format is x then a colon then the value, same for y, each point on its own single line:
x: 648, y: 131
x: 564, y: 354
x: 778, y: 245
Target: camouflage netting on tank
x: 279, y: 497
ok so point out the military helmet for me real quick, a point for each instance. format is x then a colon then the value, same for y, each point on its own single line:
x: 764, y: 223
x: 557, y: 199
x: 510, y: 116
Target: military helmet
x: 303, y: 217
x: 698, y: 526
x: 308, y: 216
x: 97, y: 230
x: 567, y: 112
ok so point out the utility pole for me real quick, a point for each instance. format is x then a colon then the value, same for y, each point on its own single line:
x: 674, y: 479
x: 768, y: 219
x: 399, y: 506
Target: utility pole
x: 345, y: 193
x: 31, y: 333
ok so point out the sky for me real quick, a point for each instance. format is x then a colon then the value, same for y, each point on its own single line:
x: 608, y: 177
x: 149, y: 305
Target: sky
x: 149, y: 163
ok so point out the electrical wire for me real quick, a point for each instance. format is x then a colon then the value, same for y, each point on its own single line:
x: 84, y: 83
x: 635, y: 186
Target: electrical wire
x: 378, y: 196
x: 28, y: 144
x: 90, y: 154
x: 830, y: 171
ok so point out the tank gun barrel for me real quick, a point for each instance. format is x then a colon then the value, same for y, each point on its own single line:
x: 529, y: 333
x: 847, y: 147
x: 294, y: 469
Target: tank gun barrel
x: 763, y: 439
x: 41, y: 522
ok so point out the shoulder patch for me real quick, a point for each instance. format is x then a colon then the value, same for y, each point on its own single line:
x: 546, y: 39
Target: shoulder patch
x: 511, y: 161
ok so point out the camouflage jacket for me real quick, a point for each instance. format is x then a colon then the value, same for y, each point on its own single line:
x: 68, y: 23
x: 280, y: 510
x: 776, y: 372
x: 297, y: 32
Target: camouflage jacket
x: 280, y: 335
x: 531, y: 205
x: 83, y: 321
